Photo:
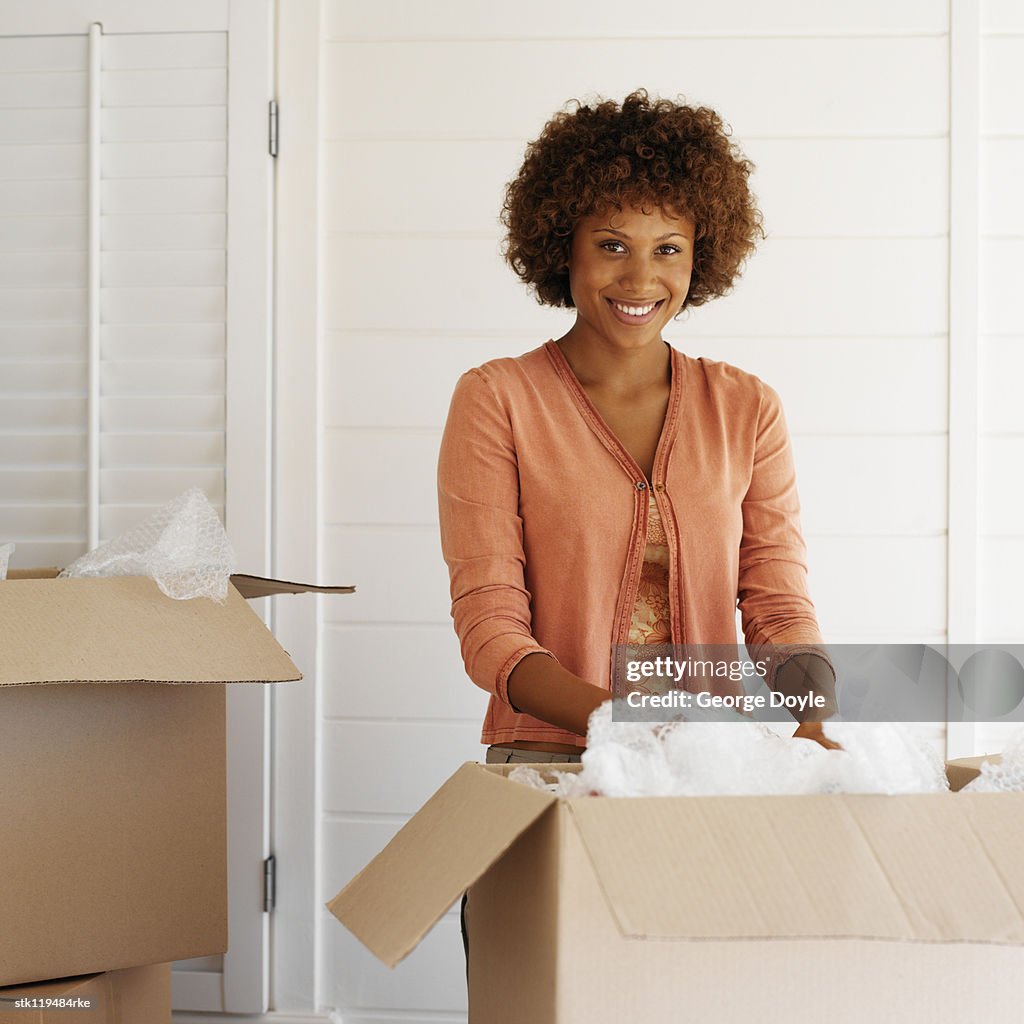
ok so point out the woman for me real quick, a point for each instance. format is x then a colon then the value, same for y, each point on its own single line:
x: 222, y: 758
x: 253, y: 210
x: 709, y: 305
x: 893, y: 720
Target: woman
x: 605, y: 488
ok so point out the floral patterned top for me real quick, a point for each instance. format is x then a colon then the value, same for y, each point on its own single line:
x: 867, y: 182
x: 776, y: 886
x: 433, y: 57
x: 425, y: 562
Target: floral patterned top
x: 652, y: 622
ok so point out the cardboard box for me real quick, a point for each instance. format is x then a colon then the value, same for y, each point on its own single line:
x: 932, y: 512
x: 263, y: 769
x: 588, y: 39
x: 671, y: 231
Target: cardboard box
x: 113, y: 832
x: 137, y: 995
x: 965, y: 769
x: 844, y: 908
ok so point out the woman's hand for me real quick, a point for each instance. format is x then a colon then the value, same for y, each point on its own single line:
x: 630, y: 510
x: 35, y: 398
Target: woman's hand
x: 813, y: 731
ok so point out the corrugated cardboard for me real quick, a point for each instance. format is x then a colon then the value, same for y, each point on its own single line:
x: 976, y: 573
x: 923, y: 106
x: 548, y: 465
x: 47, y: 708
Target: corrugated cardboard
x: 247, y: 585
x: 124, y: 629
x: 599, y: 909
x: 113, y: 798
x: 263, y: 586
x: 966, y: 769
x: 137, y: 995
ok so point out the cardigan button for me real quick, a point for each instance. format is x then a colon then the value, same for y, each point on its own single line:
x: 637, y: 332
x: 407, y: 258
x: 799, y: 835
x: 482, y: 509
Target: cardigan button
x: 641, y: 485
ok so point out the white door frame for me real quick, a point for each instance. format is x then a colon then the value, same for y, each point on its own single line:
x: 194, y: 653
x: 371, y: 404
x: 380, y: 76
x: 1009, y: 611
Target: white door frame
x: 242, y: 985
x: 297, y: 967
x: 248, y: 492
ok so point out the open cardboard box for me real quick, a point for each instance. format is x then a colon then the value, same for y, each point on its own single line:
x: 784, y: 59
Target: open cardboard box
x: 844, y: 908
x: 113, y: 831
x: 136, y: 995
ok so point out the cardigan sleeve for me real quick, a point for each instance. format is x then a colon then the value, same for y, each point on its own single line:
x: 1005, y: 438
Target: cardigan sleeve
x: 482, y: 535
x: 775, y: 606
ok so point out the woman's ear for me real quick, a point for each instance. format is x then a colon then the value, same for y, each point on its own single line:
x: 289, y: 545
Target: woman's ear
x: 567, y: 248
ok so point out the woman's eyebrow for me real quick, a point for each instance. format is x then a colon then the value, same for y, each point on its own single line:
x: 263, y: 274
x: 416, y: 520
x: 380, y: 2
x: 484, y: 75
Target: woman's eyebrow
x: 622, y: 234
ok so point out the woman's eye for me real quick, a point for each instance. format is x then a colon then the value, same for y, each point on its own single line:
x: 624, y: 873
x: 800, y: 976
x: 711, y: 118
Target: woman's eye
x: 611, y: 245
x: 668, y: 250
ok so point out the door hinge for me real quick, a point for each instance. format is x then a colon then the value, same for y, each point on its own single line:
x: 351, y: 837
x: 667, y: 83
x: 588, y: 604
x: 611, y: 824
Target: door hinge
x: 269, y: 884
x: 273, y: 128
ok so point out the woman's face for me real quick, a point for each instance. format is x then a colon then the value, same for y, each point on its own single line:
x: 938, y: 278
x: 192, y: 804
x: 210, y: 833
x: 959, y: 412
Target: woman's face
x: 629, y: 272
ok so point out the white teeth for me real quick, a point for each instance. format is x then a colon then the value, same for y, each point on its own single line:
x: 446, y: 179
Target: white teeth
x: 634, y: 310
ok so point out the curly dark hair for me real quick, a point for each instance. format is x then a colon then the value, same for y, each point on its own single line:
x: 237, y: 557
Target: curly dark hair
x: 644, y: 152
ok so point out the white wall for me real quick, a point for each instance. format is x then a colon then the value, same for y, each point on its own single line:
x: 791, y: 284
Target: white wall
x: 1000, y: 332
x: 846, y: 111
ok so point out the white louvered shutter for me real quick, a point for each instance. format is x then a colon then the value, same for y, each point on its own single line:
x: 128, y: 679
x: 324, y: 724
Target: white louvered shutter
x: 171, y: 414
x: 162, y: 271
x: 43, y: 272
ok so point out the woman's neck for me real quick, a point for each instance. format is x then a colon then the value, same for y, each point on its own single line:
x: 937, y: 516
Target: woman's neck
x: 616, y: 370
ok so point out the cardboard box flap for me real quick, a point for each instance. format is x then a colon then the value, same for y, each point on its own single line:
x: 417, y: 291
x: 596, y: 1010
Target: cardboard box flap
x: 57, y: 999
x: 132, y: 995
x: 939, y: 868
x: 438, y: 854
x: 247, y: 585
x: 49, y: 989
x: 967, y: 769
x: 124, y: 629
x: 263, y: 586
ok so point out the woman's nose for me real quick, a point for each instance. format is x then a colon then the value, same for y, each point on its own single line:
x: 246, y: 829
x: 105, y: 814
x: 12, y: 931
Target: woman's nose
x: 639, y: 273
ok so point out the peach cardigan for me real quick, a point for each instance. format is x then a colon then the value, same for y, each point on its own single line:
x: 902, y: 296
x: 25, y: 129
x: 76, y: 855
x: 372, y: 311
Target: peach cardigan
x: 543, y: 519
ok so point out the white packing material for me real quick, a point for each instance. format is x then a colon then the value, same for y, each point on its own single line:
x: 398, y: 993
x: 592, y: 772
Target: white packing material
x: 1005, y: 776
x: 882, y: 757
x: 6, y: 550
x: 560, y: 783
x: 742, y: 757
x: 182, y: 546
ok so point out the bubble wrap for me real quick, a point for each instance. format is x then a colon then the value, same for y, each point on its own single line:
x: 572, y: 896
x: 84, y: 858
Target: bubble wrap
x: 182, y: 546
x: 1005, y: 777
x: 707, y: 758
x: 559, y: 783
x: 6, y: 550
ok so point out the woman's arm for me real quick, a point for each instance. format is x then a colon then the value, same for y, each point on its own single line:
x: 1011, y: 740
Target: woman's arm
x: 808, y: 675
x: 775, y: 607
x: 542, y: 688
x: 482, y: 542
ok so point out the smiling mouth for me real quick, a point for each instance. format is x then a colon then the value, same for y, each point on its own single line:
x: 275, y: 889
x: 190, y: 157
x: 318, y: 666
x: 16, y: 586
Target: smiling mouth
x: 635, y: 313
